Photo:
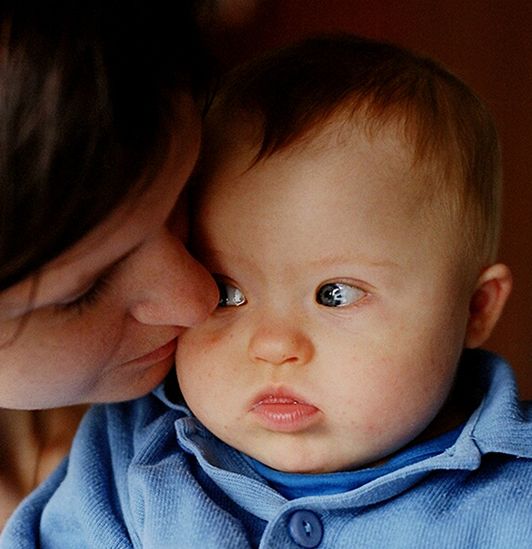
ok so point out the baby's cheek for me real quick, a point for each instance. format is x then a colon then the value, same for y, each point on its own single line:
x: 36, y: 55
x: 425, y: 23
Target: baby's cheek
x: 202, y: 346
x: 189, y: 339
x: 203, y: 364
x: 215, y: 337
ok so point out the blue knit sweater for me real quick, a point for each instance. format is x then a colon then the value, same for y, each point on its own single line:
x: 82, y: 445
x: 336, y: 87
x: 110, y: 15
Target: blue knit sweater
x: 147, y: 474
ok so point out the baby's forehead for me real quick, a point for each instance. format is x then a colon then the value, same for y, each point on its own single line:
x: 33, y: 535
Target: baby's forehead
x: 342, y: 141
x: 238, y: 142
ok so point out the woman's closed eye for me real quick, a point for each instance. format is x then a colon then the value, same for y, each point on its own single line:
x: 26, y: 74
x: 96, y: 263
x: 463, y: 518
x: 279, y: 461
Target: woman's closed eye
x: 96, y: 289
x: 87, y: 297
x: 91, y: 295
x: 230, y: 294
x: 339, y: 294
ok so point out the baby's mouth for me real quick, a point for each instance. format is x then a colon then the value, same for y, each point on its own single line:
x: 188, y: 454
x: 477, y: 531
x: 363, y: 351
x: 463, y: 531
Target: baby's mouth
x: 283, y: 412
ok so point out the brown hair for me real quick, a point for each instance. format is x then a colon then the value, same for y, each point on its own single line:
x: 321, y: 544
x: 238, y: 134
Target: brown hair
x: 87, y: 107
x: 294, y: 90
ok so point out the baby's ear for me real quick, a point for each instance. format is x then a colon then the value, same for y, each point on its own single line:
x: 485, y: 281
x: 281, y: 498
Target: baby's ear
x: 487, y: 302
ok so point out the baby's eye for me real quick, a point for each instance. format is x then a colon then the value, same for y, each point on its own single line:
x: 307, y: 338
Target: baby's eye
x: 338, y: 294
x: 230, y: 296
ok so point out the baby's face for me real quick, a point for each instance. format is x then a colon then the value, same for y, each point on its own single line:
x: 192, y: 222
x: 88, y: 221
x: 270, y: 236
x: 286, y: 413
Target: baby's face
x: 343, y: 313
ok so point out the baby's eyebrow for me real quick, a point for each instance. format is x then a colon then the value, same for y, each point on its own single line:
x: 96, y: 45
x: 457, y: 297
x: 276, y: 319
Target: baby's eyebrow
x: 351, y: 259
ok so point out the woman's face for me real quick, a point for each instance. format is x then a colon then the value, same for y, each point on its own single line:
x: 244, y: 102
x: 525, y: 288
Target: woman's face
x: 100, y: 322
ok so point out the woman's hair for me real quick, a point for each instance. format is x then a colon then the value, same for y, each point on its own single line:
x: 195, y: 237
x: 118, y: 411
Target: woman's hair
x: 290, y: 93
x: 87, y: 104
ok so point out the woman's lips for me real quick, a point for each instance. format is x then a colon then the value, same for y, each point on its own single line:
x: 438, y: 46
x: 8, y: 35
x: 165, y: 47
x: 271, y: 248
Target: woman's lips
x: 156, y: 355
x: 280, y: 411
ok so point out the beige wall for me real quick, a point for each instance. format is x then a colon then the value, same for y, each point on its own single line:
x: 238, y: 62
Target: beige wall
x: 489, y: 44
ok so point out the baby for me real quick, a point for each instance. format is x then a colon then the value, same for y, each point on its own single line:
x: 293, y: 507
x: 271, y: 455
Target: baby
x: 348, y: 206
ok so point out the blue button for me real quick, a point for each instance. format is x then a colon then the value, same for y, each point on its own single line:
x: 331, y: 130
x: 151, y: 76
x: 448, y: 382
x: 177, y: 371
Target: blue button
x: 305, y: 528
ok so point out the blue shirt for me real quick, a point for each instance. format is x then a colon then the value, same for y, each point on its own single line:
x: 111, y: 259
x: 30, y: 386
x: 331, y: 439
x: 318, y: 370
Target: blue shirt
x: 147, y: 474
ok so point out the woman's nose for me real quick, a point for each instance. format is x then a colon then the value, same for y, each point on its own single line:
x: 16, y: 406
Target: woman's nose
x: 170, y: 287
x: 280, y: 345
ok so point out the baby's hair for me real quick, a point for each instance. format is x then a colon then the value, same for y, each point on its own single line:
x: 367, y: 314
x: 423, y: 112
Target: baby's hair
x: 291, y: 92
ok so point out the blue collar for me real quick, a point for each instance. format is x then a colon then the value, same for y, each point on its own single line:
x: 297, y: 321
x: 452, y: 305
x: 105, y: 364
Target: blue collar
x: 295, y: 485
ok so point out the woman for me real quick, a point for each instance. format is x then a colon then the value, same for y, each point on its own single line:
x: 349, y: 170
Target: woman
x: 100, y: 129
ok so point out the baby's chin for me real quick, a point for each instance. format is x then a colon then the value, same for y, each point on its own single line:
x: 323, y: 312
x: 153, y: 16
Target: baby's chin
x: 302, y: 463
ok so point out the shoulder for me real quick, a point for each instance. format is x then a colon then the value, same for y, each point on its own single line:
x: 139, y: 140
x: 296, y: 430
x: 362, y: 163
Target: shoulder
x: 501, y: 423
x: 89, y: 497
x: 113, y: 436
x: 496, y: 500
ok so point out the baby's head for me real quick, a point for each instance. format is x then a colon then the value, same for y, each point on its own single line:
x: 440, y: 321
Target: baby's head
x: 348, y: 205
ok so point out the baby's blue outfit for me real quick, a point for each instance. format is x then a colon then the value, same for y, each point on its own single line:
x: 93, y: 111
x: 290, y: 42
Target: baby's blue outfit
x: 147, y: 474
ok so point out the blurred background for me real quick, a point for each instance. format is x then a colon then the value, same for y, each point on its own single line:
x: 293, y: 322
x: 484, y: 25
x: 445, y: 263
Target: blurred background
x: 488, y: 43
